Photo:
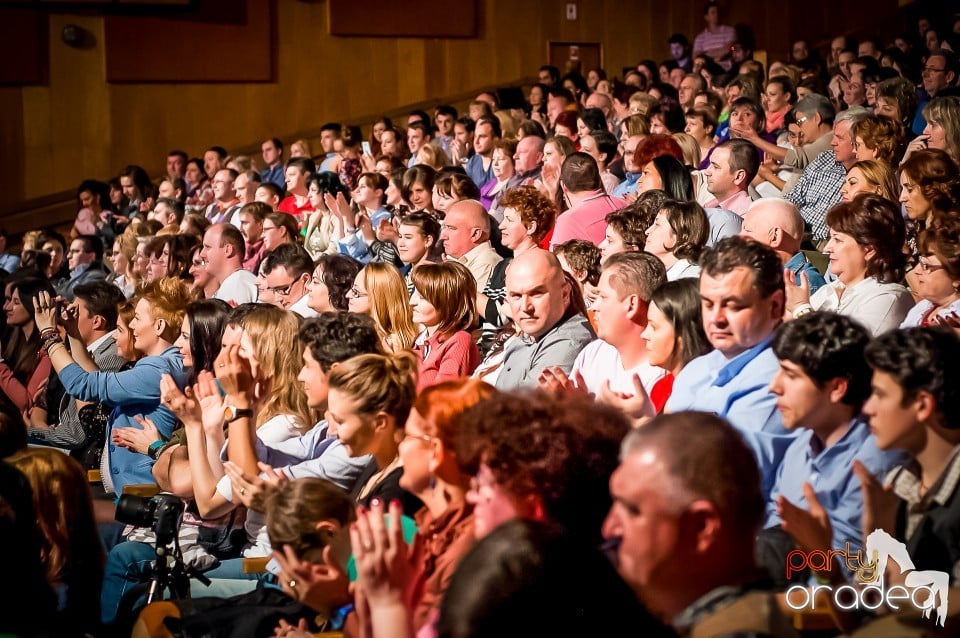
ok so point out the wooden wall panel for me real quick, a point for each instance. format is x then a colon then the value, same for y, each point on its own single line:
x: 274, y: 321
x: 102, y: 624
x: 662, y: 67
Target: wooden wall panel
x: 80, y: 125
x: 236, y: 47
x: 407, y: 19
x: 23, y: 46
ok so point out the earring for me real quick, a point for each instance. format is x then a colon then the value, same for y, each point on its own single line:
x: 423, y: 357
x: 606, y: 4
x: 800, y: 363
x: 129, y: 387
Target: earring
x: 433, y: 482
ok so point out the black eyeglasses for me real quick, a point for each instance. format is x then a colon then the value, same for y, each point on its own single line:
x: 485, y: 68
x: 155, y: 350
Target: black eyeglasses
x: 283, y: 291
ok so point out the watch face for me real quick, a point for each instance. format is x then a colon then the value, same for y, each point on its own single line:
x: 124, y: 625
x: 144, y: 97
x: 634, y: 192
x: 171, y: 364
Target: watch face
x: 228, y: 412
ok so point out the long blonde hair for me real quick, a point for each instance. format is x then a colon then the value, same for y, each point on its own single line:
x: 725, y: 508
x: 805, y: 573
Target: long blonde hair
x: 390, y: 305
x: 273, y: 332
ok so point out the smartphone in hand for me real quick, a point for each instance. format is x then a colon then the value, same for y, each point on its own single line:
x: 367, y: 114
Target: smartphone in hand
x: 366, y: 148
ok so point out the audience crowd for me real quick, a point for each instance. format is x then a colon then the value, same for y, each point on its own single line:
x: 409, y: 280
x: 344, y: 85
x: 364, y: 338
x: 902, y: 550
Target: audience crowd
x: 606, y: 362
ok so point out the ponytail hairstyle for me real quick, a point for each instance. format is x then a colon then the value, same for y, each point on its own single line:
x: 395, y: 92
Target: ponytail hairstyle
x: 379, y: 383
x: 293, y: 509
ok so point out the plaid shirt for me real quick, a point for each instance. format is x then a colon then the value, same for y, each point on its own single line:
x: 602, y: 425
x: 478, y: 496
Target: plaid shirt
x: 817, y: 191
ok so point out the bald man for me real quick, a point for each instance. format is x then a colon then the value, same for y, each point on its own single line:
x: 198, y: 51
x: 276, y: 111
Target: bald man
x: 527, y: 161
x: 777, y: 223
x: 466, y: 239
x: 554, y: 333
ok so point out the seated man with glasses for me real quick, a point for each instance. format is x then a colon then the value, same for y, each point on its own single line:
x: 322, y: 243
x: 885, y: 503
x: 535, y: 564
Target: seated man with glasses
x: 938, y: 73
x: 286, y: 271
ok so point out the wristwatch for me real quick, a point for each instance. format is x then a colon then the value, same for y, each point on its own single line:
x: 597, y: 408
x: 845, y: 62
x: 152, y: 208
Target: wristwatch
x: 231, y: 413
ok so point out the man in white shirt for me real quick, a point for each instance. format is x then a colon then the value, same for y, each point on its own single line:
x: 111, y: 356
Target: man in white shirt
x: 223, y: 251
x: 627, y: 282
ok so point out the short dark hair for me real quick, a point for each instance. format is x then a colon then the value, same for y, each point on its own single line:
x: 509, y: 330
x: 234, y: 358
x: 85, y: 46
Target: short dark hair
x: 230, y: 234
x: 339, y: 271
x: 828, y: 346
x: 606, y: 143
x: 336, y: 127
x: 423, y: 127
x: 638, y: 273
x: 579, y: 172
x: 176, y: 206
x: 553, y: 71
x: 179, y: 153
x: 220, y: 151
x: 52, y: 235
x: 101, y: 298
x: 493, y: 122
x: 291, y: 257
x: 709, y: 459
x: 922, y: 360
x: 743, y: 156
x: 631, y: 226
x: 275, y: 190
x: 446, y: 109
x: 286, y: 221
x: 277, y: 142
x: 305, y: 164
x: 334, y: 337
x: 92, y: 244
x: 735, y: 252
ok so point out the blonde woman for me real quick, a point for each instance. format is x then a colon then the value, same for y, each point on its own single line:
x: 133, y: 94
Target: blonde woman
x: 381, y: 292
x: 432, y: 156
x: 124, y: 253
x: 870, y: 176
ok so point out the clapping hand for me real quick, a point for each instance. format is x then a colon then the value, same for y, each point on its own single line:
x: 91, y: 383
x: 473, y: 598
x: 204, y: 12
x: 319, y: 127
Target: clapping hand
x: 235, y: 373
x: 555, y: 381
x: 137, y: 439
x: 183, y: 405
x: 250, y: 489
x: 380, y: 552
x: 321, y: 586
x: 810, y: 529
x: 797, y: 295
x: 637, y: 406
x: 45, y: 311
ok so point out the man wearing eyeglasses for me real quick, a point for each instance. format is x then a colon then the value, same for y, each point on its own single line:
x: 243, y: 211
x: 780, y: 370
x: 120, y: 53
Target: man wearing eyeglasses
x: 286, y: 273
x: 938, y: 73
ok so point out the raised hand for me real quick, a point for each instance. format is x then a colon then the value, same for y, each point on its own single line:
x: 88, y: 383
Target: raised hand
x: 555, y: 381
x: 250, y: 489
x: 810, y: 529
x: 211, y: 402
x: 183, y: 405
x: 320, y: 586
x: 44, y: 311
x: 235, y: 373
x: 879, y: 502
x: 797, y: 295
x: 380, y: 552
x: 637, y: 406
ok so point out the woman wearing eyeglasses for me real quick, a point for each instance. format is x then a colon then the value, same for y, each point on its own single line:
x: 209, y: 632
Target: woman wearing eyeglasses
x: 938, y: 276
x: 380, y: 291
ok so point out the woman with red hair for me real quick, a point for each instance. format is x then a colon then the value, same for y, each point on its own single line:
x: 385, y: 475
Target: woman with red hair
x: 566, y: 125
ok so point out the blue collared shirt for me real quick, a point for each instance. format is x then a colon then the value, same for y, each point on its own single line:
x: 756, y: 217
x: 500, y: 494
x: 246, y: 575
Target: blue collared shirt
x: 738, y: 390
x: 9, y: 262
x: 627, y: 186
x: 830, y: 472
x: 274, y: 175
x: 799, y: 264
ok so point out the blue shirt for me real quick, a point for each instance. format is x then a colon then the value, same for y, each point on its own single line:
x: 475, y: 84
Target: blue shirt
x: 476, y: 172
x: 799, y: 264
x: 314, y: 455
x: 627, y: 186
x: 9, y: 262
x: 738, y: 390
x: 355, y: 245
x: 274, y: 175
x: 830, y: 472
x: 133, y: 392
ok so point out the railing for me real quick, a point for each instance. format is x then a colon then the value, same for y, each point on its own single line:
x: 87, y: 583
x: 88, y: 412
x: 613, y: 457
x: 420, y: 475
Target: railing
x: 58, y: 210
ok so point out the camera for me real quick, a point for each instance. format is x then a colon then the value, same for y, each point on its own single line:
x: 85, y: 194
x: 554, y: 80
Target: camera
x: 162, y: 512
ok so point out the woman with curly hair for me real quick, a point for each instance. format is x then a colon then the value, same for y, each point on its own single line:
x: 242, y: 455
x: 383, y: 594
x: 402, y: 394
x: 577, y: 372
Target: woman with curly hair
x: 331, y: 282
x: 878, y: 138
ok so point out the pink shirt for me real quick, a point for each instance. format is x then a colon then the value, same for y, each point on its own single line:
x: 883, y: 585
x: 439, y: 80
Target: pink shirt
x: 586, y: 220
x: 738, y: 203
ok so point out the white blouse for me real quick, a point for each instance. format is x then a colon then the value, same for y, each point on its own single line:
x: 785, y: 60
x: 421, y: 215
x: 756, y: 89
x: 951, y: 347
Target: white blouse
x: 878, y: 307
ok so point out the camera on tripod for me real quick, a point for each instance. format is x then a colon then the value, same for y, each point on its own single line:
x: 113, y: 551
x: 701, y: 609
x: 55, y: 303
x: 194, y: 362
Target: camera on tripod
x: 161, y: 512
